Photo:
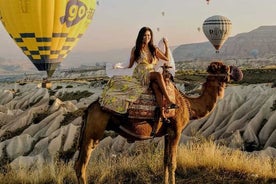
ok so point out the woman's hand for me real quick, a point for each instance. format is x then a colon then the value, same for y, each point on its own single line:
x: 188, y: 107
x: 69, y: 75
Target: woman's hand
x: 165, y: 41
x: 118, y: 66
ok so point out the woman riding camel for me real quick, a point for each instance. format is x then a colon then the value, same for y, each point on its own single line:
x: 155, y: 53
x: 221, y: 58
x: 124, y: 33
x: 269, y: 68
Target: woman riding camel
x: 145, y: 55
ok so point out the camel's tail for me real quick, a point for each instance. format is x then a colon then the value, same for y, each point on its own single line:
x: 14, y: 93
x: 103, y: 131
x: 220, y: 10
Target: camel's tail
x: 83, y: 124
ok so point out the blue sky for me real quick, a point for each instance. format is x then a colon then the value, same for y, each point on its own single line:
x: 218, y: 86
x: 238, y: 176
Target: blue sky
x: 116, y: 22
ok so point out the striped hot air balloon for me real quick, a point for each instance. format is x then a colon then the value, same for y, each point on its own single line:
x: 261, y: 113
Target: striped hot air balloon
x: 217, y: 29
x: 46, y: 30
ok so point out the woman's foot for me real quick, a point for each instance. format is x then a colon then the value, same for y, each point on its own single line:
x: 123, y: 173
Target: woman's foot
x: 166, y: 121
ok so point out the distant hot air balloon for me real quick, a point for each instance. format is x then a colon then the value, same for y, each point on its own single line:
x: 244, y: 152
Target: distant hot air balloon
x: 198, y: 29
x: 254, y: 53
x: 46, y: 31
x: 98, y: 3
x: 208, y: 1
x: 163, y: 13
x: 158, y: 29
x: 217, y: 29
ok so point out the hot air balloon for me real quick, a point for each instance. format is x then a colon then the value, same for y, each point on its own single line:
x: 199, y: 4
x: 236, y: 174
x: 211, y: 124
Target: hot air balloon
x: 254, y: 53
x: 198, y: 29
x: 163, y: 13
x: 208, y: 1
x: 46, y: 31
x: 217, y: 29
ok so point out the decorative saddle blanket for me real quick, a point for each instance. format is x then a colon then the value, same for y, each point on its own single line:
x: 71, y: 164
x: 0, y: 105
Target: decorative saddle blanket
x: 144, y: 107
x: 123, y: 95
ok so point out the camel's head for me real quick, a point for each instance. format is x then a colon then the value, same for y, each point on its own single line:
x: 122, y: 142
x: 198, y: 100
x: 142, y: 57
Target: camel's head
x: 222, y: 74
x: 225, y: 72
x: 219, y: 71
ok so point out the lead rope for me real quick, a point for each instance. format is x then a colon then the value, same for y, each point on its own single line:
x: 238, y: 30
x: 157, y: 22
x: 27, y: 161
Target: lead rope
x: 185, y: 100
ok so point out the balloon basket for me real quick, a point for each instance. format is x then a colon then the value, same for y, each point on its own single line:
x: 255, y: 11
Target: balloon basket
x: 46, y: 84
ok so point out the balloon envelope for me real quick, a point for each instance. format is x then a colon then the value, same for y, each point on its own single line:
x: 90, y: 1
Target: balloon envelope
x: 46, y: 30
x: 217, y: 29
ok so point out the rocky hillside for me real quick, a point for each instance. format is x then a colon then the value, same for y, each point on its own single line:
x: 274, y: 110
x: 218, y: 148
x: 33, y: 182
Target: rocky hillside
x: 39, y: 125
x: 258, y: 43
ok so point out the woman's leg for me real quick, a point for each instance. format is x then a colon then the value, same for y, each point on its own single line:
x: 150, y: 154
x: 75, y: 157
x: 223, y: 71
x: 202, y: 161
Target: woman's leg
x: 159, y: 99
x: 158, y: 78
x: 158, y: 94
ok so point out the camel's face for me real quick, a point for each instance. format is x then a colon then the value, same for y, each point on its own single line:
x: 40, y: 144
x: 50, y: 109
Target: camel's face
x: 220, y: 71
x: 220, y: 74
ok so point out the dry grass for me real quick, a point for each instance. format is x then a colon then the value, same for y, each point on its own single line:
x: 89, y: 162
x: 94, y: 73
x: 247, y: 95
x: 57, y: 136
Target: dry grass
x: 226, y: 165
x: 202, y: 162
x: 48, y: 174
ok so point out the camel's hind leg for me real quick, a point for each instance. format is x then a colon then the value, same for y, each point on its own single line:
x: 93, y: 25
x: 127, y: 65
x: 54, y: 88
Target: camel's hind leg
x: 94, y: 124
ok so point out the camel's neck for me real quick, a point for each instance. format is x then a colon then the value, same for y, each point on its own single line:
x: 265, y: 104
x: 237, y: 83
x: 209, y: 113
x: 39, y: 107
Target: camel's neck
x: 201, y: 106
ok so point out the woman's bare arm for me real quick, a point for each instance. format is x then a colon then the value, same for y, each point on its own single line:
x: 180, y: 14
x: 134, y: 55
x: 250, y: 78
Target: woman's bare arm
x: 160, y: 54
x: 131, y: 59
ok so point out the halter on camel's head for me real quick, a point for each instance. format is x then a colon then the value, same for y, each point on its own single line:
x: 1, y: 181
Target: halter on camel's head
x: 226, y: 72
x: 220, y: 74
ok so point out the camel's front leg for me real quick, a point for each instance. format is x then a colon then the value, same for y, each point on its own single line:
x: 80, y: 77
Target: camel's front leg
x: 171, y: 144
x: 166, y: 160
x: 84, y: 155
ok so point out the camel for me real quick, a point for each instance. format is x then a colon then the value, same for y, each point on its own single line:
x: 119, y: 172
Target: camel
x: 96, y: 120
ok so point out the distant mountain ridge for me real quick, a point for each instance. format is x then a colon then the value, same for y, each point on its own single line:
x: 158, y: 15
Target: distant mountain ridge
x: 260, y: 42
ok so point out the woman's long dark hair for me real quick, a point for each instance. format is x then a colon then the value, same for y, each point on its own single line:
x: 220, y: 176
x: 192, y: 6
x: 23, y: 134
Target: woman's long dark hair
x: 139, y: 43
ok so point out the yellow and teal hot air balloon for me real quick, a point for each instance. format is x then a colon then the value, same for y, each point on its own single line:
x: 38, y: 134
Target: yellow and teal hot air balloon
x: 46, y: 30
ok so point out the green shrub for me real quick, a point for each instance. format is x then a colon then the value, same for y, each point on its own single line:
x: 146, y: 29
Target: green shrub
x: 69, y: 86
x: 74, y: 95
x: 273, y: 108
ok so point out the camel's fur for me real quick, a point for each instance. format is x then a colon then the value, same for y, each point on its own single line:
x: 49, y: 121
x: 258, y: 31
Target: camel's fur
x: 97, y: 120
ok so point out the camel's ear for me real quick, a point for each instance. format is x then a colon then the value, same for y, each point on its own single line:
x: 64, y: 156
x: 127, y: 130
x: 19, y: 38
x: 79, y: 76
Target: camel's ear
x: 212, y: 68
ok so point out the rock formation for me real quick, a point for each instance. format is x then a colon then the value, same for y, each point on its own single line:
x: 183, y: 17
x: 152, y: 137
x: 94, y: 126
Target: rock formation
x: 36, y: 126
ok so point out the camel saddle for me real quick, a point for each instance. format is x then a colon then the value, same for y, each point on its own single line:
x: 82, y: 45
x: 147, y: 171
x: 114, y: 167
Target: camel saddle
x: 145, y: 107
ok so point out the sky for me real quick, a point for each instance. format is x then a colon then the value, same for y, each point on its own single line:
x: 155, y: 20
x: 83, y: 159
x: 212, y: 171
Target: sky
x: 116, y: 23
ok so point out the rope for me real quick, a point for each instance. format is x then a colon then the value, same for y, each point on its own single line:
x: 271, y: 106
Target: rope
x: 185, y: 100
